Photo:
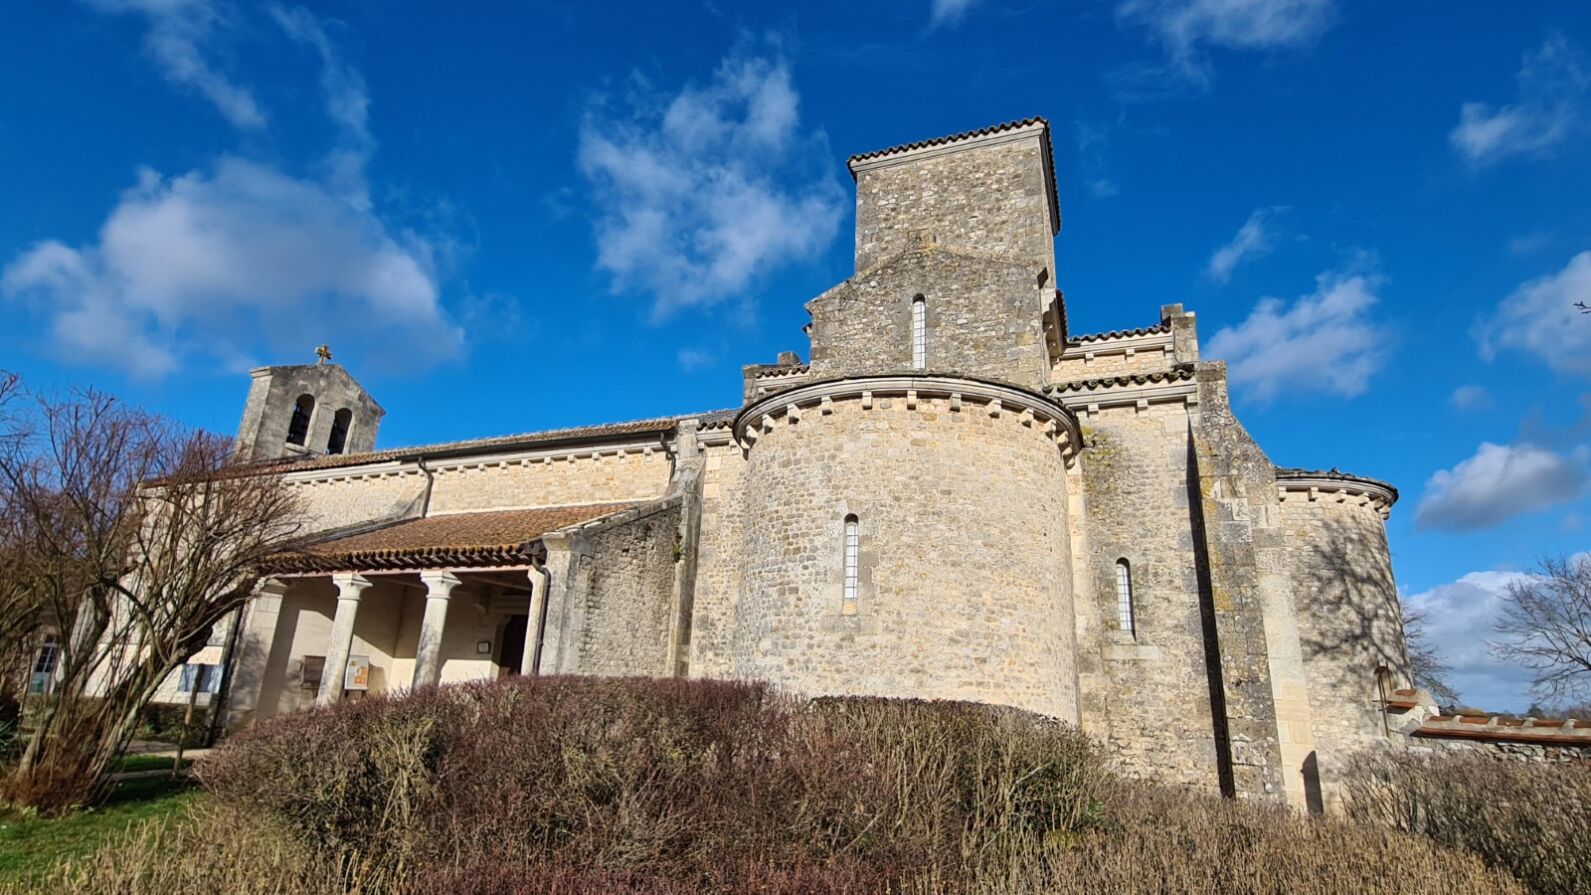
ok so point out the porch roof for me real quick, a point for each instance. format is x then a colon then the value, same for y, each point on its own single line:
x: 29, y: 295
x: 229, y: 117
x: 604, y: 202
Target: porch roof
x: 474, y: 540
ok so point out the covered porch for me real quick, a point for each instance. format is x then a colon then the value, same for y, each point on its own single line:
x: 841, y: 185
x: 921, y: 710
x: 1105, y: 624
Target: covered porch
x: 440, y: 599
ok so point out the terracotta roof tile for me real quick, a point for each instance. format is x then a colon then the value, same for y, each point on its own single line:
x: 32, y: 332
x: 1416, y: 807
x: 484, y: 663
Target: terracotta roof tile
x: 1157, y: 329
x: 658, y: 426
x: 461, y: 539
x: 1176, y: 374
x: 940, y: 141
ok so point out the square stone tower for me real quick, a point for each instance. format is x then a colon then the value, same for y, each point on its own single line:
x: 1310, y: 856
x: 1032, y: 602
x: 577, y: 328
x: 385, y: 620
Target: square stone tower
x: 989, y: 191
x: 955, y: 261
x: 305, y: 410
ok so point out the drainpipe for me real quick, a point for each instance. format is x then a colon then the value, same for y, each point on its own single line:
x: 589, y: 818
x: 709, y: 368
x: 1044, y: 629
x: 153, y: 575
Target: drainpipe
x: 430, y: 479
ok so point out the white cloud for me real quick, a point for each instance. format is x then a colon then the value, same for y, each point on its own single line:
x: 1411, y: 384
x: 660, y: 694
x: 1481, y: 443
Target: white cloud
x: 1540, y: 317
x: 1470, y: 397
x: 185, y: 264
x: 1498, y: 483
x: 1254, y: 239
x: 1189, y: 28
x: 1093, y: 149
x: 948, y: 12
x: 1461, y: 619
x: 177, y: 29
x: 693, y: 359
x: 704, y: 192
x: 1325, y: 341
x: 347, y: 104
x: 1552, y: 84
x: 240, y: 256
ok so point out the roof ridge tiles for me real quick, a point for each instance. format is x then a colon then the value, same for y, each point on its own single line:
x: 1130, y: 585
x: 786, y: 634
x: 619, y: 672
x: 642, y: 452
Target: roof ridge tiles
x: 951, y: 138
x: 1158, y: 328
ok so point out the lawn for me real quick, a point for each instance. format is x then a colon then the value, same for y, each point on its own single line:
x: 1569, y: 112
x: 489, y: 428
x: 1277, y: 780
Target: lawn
x: 29, y: 846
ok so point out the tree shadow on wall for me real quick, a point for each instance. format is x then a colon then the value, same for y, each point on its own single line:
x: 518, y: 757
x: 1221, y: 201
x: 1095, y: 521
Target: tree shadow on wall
x: 1347, y: 602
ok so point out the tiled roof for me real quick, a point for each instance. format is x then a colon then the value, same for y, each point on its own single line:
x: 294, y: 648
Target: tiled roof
x: 1176, y: 374
x: 658, y: 426
x: 1543, y: 731
x: 940, y: 141
x: 1122, y: 333
x: 497, y: 538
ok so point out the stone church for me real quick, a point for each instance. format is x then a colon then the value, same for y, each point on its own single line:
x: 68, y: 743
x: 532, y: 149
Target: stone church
x: 955, y: 497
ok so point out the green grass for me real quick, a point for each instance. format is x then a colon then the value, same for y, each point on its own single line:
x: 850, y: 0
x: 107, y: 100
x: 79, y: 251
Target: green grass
x: 29, y: 846
x: 129, y: 763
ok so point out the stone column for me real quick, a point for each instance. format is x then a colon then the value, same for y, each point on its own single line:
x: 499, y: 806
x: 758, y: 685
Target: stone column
x: 428, y: 656
x: 252, y: 662
x: 350, y: 587
x: 533, y: 629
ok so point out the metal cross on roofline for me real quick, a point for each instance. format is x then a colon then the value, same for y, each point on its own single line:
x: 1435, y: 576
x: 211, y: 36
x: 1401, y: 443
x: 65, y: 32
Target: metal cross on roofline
x: 324, y: 353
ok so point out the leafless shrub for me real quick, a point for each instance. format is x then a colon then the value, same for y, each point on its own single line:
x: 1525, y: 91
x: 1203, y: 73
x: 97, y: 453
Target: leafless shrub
x: 130, y: 537
x: 1532, y: 819
x: 1546, y: 626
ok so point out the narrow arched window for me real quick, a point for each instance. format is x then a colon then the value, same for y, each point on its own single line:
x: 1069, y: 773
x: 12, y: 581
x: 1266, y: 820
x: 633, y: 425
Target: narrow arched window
x: 1124, y: 608
x: 298, y: 427
x: 853, y: 553
x: 339, y: 431
x: 919, y: 333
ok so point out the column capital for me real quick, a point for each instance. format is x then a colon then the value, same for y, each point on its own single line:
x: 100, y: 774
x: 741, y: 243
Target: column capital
x: 350, y: 585
x: 439, y: 583
x: 271, y: 587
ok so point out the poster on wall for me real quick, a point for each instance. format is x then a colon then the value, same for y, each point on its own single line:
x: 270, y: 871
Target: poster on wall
x: 357, y: 677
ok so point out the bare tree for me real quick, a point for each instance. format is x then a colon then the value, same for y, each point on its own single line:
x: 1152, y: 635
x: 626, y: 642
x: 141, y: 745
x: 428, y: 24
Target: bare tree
x: 130, y: 537
x: 1430, y: 673
x: 1546, y: 627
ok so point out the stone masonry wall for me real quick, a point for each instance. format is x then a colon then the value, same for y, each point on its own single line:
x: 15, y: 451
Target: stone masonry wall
x: 718, y: 562
x: 1108, y: 362
x: 983, y: 319
x: 989, y: 197
x: 350, y: 500
x: 1146, y: 692
x: 1349, y: 620
x: 606, y: 478
x: 1263, y: 700
x: 348, y: 497
x: 629, y: 596
x: 965, y: 584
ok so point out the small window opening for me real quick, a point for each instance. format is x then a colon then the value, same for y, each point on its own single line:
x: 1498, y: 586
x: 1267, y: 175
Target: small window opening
x: 919, y: 332
x: 1124, y: 607
x: 339, y: 431
x: 298, y: 427
x: 852, y: 561
x: 49, y: 652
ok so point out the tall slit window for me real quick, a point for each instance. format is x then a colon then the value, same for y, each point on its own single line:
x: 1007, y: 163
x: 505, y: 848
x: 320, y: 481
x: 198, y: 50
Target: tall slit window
x: 853, y: 551
x: 339, y: 431
x: 1124, y: 608
x: 919, y: 332
x: 298, y: 426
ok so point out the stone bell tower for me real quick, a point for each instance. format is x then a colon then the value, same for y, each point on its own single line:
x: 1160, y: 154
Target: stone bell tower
x: 955, y: 261
x: 306, y: 410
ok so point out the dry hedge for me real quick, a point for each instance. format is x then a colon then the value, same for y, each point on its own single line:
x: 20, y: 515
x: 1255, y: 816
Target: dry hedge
x: 584, y: 786
x: 1532, y: 819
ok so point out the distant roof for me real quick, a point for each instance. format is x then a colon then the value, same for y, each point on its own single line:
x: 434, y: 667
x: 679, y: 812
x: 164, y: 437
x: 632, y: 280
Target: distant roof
x: 497, y: 538
x: 1161, y: 327
x: 953, y: 138
x: 657, y: 426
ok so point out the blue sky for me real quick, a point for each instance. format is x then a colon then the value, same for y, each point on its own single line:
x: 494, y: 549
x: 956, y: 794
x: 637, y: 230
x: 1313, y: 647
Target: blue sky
x: 515, y: 216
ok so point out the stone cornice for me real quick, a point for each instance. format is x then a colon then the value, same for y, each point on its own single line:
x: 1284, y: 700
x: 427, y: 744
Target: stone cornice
x: 1029, y: 408
x: 1338, y: 485
x: 1130, y: 389
x: 593, y: 451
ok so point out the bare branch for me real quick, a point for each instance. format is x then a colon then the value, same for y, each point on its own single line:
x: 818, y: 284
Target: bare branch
x: 1546, y: 627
